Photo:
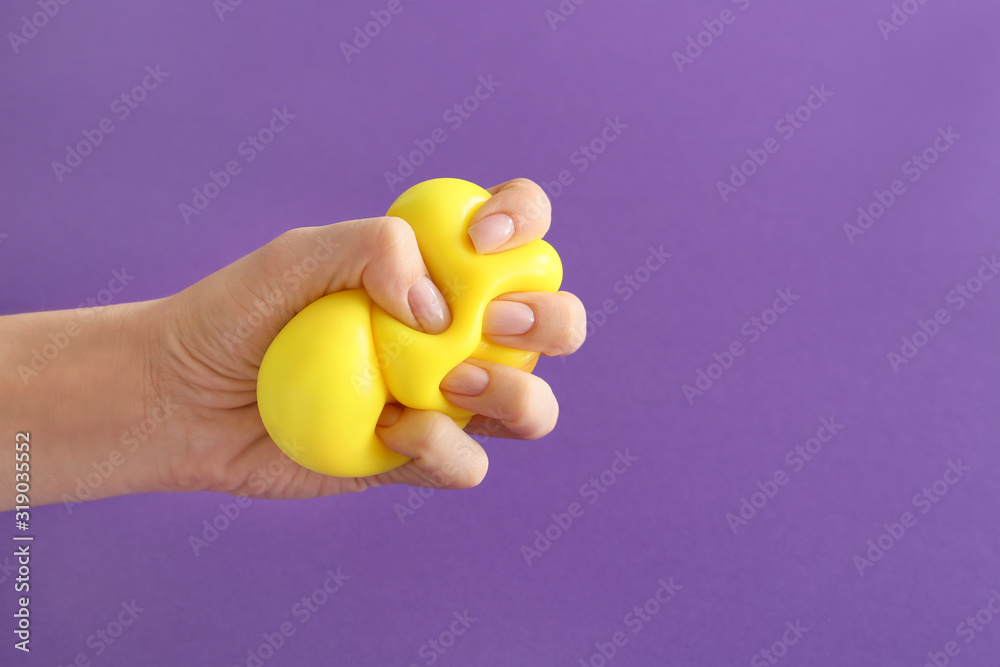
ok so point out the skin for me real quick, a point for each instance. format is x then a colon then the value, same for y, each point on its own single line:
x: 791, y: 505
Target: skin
x: 128, y: 362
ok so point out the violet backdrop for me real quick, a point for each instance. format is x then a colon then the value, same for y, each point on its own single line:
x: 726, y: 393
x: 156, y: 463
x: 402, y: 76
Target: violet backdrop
x: 879, y: 95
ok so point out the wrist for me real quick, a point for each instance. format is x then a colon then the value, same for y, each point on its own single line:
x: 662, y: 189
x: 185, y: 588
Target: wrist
x: 79, y: 382
x: 148, y: 416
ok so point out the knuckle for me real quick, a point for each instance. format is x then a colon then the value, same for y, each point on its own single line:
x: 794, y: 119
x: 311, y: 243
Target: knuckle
x: 546, y: 425
x: 537, y: 203
x: 527, y: 187
x: 389, y: 232
x: 573, y: 319
x: 391, y: 252
x: 531, y: 199
x: 292, y: 239
x: 475, y: 473
x: 565, y: 346
x: 524, y: 184
x: 435, y: 479
x: 433, y: 430
x: 460, y: 464
x: 466, y: 471
x: 521, y: 408
x: 535, y: 411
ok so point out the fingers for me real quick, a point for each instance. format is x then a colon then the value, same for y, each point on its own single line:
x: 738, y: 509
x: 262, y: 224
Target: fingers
x: 509, y: 403
x: 523, y: 403
x: 442, y: 455
x: 395, y: 277
x: 553, y: 323
x: 378, y: 254
x: 519, y: 212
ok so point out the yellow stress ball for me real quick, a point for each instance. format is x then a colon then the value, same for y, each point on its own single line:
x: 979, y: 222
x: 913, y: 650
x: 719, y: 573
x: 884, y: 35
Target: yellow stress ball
x: 329, y: 372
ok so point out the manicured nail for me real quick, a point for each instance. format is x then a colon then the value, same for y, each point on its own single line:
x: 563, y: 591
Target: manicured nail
x: 428, y: 306
x: 466, y: 379
x: 491, y: 232
x: 507, y: 318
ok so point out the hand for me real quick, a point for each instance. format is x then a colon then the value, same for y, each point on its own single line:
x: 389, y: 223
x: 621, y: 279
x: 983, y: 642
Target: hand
x: 207, y: 343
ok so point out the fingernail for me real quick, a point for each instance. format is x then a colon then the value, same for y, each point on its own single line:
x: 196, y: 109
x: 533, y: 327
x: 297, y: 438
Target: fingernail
x: 508, y: 318
x: 466, y: 379
x: 491, y: 232
x: 428, y: 306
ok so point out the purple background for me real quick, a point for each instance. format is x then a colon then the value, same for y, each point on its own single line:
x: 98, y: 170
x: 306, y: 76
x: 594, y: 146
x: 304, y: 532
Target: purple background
x: 655, y: 185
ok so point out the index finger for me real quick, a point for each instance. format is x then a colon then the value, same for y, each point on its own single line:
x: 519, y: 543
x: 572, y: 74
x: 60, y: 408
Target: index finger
x: 518, y: 212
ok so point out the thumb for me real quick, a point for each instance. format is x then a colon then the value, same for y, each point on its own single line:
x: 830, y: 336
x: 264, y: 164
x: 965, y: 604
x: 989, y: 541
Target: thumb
x: 278, y: 280
x: 393, y: 273
x: 378, y: 254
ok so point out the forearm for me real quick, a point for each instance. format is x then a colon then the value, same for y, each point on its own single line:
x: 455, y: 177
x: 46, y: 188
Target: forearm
x: 78, y: 382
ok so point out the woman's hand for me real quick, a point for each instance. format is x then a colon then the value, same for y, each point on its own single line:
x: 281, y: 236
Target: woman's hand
x: 206, y: 344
